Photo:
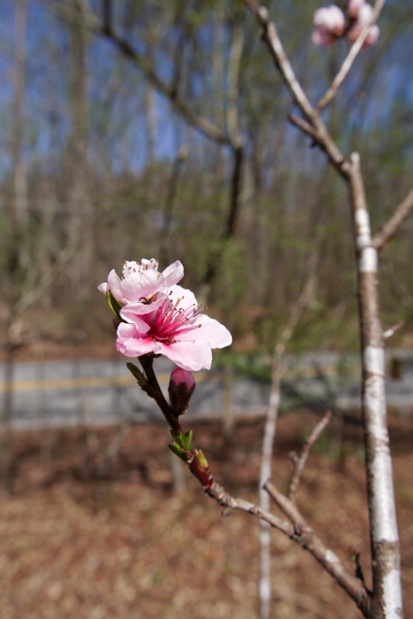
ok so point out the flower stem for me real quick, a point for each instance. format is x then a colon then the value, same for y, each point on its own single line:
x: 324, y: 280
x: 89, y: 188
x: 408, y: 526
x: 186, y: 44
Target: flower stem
x: 156, y: 392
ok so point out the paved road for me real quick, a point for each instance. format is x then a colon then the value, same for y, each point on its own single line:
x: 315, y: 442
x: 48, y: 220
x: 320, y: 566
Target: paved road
x: 66, y: 393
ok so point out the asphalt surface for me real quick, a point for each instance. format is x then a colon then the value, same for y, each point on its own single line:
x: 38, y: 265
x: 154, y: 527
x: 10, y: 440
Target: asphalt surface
x: 89, y: 392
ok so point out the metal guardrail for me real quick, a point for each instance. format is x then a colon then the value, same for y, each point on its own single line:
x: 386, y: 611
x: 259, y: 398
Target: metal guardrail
x: 99, y: 392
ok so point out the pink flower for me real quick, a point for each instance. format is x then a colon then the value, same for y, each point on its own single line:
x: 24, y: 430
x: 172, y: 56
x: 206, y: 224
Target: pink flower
x: 329, y: 24
x: 353, y: 8
x: 141, y: 282
x: 175, y: 327
x: 181, y: 387
x: 161, y: 317
x: 372, y: 36
x: 364, y: 16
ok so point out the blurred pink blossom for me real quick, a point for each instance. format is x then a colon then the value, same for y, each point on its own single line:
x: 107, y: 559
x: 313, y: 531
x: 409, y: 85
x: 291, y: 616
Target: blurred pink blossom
x: 363, y: 18
x: 353, y: 8
x: 329, y: 24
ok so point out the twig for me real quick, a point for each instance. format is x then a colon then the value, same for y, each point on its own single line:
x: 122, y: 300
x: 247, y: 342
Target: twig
x: 303, y: 125
x: 270, y: 429
x: 350, y: 58
x: 307, y: 539
x: 300, y: 460
x: 155, y: 392
x: 298, y: 531
x: 402, y: 211
x: 394, y: 329
x: 107, y: 30
x: 320, y: 133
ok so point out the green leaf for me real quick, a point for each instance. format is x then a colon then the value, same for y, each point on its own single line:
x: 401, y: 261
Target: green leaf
x: 186, y: 440
x: 177, y: 451
x: 201, y: 458
x: 140, y: 377
x: 114, y: 304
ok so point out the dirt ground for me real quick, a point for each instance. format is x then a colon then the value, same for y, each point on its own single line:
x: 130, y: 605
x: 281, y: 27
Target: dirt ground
x: 129, y: 545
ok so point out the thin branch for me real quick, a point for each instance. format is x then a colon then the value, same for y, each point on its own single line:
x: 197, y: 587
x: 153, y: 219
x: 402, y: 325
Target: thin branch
x: 307, y: 539
x: 270, y: 429
x: 350, y: 58
x: 303, y: 125
x: 320, y: 134
x: 271, y: 38
x: 393, y: 330
x: 106, y: 29
x: 300, y: 460
x: 155, y: 392
x: 402, y: 211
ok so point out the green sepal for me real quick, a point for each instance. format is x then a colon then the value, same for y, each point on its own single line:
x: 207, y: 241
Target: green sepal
x: 114, y: 304
x: 136, y: 373
x: 186, y: 440
x: 201, y: 458
x: 178, y: 451
x: 181, y: 445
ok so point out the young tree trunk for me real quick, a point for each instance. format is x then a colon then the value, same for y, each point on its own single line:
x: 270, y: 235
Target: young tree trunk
x: 384, y: 538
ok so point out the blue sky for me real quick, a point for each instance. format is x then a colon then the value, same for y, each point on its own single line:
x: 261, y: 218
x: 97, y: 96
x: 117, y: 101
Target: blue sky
x: 47, y: 84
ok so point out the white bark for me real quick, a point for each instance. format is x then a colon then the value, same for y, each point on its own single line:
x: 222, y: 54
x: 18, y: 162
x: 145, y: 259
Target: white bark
x: 387, y: 593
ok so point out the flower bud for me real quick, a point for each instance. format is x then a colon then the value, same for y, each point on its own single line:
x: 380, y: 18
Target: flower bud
x: 329, y: 25
x: 354, y: 7
x: 181, y: 387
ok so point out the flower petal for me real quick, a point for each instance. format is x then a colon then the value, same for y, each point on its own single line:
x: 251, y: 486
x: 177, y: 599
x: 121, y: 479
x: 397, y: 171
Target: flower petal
x: 172, y: 274
x: 131, y: 343
x: 192, y: 355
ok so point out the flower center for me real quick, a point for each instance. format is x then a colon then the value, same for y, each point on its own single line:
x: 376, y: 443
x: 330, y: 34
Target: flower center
x: 130, y: 266
x: 171, y: 321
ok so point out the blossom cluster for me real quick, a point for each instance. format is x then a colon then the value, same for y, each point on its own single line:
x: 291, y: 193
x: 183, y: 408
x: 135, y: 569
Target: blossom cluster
x: 157, y: 316
x: 331, y: 24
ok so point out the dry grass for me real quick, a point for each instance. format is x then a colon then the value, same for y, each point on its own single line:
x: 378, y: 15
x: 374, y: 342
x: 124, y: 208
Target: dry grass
x: 129, y: 547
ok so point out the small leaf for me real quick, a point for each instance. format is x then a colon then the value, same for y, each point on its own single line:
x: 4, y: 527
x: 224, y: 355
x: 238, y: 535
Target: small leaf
x: 114, y: 304
x: 201, y: 458
x: 177, y: 451
x: 186, y: 440
x: 140, y: 377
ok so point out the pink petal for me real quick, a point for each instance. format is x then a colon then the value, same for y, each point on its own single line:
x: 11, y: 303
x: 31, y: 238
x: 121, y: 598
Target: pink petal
x: 195, y: 355
x: 214, y: 332
x: 185, y: 297
x: 131, y: 343
x: 173, y: 274
x: 353, y: 7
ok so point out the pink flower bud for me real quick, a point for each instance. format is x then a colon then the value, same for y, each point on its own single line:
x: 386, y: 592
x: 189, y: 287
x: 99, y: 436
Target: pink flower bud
x: 364, y: 16
x: 372, y: 37
x: 329, y: 24
x: 354, y: 8
x: 181, y: 387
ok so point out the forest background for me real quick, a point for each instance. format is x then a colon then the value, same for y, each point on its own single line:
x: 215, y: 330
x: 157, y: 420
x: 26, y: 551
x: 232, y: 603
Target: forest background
x: 165, y: 135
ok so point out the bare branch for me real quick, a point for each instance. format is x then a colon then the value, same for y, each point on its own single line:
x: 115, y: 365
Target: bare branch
x: 270, y: 429
x: 390, y: 332
x: 350, y: 58
x: 320, y: 134
x: 300, y: 460
x: 308, y: 540
x: 303, y: 125
x: 106, y: 29
x: 402, y: 211
x: 271, y: 38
